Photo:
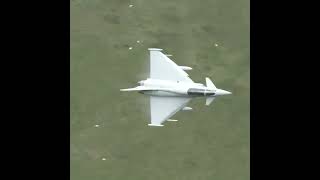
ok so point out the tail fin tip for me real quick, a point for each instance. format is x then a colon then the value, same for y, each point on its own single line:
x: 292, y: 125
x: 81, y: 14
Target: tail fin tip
x: 209, y: 100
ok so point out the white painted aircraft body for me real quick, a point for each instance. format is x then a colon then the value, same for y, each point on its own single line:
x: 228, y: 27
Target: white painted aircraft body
x: 170, y: 88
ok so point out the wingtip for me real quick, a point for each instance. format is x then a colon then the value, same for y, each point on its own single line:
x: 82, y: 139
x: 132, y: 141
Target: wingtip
x: 156, y: 125
x: 154, y: 49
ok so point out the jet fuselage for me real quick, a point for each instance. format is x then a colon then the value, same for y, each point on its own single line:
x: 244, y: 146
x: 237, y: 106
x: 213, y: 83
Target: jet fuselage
x: 177, y: 88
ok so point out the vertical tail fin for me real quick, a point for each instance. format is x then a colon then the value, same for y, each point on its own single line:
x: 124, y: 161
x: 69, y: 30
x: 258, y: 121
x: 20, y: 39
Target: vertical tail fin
x: 209, y: 100
x: 210, y: 84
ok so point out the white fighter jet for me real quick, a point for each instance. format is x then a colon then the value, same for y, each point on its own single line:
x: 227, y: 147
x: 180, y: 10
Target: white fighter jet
x: 170, y: 88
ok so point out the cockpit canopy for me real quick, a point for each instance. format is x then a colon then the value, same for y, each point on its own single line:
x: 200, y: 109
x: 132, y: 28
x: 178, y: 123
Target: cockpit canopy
x: 141, y: 83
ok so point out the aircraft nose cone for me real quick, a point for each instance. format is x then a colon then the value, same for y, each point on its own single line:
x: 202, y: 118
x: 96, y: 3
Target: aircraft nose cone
x: 222, y: 92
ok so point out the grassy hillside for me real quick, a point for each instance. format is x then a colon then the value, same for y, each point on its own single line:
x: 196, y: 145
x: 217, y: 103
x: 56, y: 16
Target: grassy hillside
x: 206, y: 143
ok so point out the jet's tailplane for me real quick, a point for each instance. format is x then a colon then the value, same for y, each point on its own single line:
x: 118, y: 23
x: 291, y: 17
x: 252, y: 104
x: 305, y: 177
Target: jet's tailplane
x: 210, y: 84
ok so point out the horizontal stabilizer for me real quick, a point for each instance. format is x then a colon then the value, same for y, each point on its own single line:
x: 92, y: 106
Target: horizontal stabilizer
x: 173, y: 120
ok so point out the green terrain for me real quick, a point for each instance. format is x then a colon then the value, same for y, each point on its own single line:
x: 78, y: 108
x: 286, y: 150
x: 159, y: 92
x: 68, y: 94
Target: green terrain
x: 208, y: 143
